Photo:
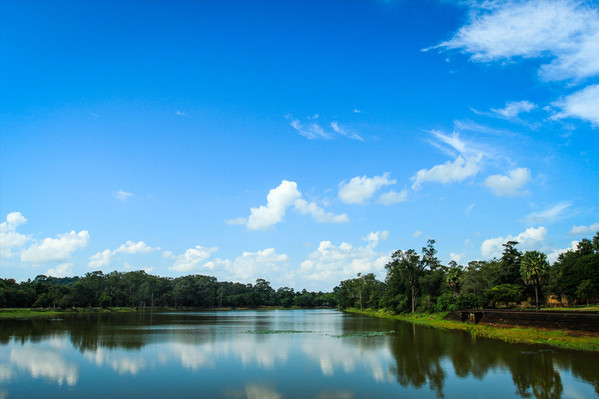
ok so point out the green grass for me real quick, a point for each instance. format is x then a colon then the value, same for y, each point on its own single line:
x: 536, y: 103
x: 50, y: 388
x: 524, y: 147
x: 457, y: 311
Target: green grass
x: 556, y: 338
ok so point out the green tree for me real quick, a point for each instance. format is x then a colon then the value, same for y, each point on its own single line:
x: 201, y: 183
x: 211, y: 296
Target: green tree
x: 406, y: 266
x: 534, y: 270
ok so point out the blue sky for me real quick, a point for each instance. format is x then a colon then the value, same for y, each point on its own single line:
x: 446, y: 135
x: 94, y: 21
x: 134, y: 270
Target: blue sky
x: 298, y: 141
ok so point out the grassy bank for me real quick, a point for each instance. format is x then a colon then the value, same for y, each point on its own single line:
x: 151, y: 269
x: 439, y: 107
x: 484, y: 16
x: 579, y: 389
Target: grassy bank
x: 557, y: 338
x: 20, y: 313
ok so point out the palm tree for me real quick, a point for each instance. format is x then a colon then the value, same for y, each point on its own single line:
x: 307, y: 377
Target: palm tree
x: 533, y: 269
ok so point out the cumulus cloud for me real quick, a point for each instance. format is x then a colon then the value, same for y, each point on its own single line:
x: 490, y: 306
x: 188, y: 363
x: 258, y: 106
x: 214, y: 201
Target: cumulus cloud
x: 530, y: 239
x: 361, y: 188
x: 392, y: 197
x: 253, y: 265
x: 449, y: 172
x: 103, y: 258
x: 581, y: 230
x: 317, y: 213
x: 549, y: 214
x: 279, y: 199
x: 123, y: 195
x: 9, y: 238
x: 131, y: 247
x: 55, y: 249
x: 192, y: 258
x: 564, y: 32
x: 332, y: 263
x: 277, y: 202
x: 509, y: 185
x: 553, y: 255
x: 583, y: 104
x: 100, y: 259
x: 62, y: 270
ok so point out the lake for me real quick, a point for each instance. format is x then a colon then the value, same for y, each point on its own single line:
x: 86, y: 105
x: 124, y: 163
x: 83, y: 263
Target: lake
x: 275, y: 354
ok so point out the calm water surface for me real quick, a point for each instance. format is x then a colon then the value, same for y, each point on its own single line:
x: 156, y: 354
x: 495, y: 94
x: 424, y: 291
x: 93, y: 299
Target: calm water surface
x: 277, y: 354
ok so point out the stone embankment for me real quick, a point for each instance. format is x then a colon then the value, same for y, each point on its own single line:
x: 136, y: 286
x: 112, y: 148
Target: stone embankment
x: 551, y: 319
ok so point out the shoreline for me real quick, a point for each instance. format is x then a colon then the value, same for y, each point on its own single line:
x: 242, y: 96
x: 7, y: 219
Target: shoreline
x: 26, y: 313
x: 576, y: 340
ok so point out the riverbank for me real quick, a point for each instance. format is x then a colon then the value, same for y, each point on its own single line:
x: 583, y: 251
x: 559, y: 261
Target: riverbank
x: 513, y: 334
x: 24, y: 313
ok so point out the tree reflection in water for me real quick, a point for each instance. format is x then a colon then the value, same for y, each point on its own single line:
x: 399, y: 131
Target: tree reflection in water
x: 420, y: 351
x: 417, y: 357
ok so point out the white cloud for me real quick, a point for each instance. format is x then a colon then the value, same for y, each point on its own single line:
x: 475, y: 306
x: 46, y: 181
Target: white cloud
x: 310, y: 131
x: 279, y: 199
x: 509, y: 185
x: 236, y: 221
x: 100, y: 259
x: 449, y: 172
x: 417, y: 233
x: 331, y: 263
x: 46, y: 364
x: 513, y: 109
x: 583, y: 104
x: 123, y: 195
x: 359, y: 189
x: 277, y: 202
x: 454, y: 141
x: 580, y: 230
x: 253, y: 265
x: 103, y: 258
x: 553, y: 255
x: 62, y: 270
x: 338, y: 129
x: 530, y: 239
x: 318, y: 213
x: 563, y: 31
x: 55, y: 249
x: 548, y: 215
x: 456, y: 257
x: 9, y: 238
x: 393, y: 197
x: 131, y: 247
x: 192, y: 258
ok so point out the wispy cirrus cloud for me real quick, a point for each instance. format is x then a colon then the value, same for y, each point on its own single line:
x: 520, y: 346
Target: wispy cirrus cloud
x: 583, y: 104
x: 564, y: 32
x: 313, y: 130
x: 123, y: 195
x: 549, y: 214
x: 465, y: 165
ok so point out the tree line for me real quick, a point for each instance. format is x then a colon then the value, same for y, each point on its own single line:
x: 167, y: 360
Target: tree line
x: 139, y: 289
x: 415, y: 282
x: 418, y: 282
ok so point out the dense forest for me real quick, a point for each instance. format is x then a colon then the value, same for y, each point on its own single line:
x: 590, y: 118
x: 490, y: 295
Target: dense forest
x: 419, y: 282
x: 414, y: 282
x: 139, y: 289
